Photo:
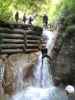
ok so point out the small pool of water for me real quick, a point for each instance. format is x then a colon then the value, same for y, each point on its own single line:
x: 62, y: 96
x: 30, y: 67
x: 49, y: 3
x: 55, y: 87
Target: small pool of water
x: 34, y: 93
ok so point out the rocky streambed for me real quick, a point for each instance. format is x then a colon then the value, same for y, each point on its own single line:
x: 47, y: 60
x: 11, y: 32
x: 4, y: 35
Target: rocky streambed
x: 17, y: 72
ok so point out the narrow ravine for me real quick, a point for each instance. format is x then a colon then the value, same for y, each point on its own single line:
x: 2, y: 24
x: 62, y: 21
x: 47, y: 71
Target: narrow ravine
x: 42, y: 87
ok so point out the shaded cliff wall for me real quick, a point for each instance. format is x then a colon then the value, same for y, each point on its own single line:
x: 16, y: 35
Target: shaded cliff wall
x: 63, y: 53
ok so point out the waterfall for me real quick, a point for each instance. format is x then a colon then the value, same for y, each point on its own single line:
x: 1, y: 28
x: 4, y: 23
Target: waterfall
x: 42, y: 75
x: 43, y: 88
x: 51, y: 38
x: 19, y: 77
x: 19, y: 70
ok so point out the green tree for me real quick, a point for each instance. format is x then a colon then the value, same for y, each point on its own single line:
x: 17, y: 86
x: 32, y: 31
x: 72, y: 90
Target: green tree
x: 53, y: 10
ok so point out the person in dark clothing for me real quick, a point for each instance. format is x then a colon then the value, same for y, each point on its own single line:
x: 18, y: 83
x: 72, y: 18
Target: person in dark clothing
x: 17, y: 16
x: 30, y: 20
x: 44, y: 53
x: 45, y: 20
x: 24, y: 18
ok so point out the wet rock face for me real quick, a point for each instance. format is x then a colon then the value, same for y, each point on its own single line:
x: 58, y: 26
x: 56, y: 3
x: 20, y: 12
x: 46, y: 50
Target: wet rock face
x: 65, y: 62
x: 27, y: 72
x: 8, y: 78
x: 15, y: 65
x: 1, y: 75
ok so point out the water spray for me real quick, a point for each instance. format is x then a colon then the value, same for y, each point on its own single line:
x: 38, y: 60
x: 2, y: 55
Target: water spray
x: 44, y: 54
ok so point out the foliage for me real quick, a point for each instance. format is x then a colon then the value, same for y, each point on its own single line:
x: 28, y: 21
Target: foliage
x: 67, y: 17
x: 53, y: 9
x: 70, y: 20
x: 70, y: 29
x: 5, y: 12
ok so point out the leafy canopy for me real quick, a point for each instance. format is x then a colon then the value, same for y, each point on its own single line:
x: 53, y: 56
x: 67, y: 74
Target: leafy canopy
x: 53, y: 8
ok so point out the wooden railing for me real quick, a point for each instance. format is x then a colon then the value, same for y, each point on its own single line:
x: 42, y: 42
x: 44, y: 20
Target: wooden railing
x: 19, y: 38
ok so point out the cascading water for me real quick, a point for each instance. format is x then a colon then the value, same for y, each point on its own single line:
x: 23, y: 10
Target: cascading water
x: 42, y: 74
x: 42, y: 77
x: 19, y: 76
x: 43, y: 88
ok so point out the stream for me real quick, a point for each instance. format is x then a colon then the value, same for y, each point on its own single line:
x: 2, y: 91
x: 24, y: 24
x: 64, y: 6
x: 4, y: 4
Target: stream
x: 42, y: 87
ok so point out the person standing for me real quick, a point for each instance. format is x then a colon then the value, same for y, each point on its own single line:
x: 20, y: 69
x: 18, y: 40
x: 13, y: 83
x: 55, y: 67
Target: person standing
x: 24, y: 18
x: 45, y: 20
x: 30, y: 20
x: 17, y: 16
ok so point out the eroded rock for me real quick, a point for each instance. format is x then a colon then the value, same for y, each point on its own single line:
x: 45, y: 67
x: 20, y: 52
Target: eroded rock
x: 18, y: 72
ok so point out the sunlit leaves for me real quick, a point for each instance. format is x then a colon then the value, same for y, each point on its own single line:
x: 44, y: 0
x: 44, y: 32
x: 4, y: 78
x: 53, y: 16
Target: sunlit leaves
x: 4, y: 9
x: 53, y: 8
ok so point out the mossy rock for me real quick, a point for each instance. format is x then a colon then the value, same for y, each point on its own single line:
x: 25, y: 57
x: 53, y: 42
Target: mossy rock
x: 70, y: 29
x: 62, y: 19
x: 69, y: 20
